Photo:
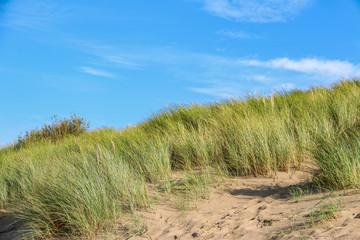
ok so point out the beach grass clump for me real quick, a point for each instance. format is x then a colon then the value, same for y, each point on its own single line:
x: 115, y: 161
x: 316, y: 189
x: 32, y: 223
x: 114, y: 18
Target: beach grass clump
x: 86, y: 197
x: 338, y: 159
x: 55, y: 131
x: 76, y: 187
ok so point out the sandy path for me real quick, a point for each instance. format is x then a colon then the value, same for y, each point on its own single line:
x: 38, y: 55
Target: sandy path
x: 256, y: 208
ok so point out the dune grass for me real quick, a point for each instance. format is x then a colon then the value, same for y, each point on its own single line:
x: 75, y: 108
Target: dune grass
x: 83, y: 183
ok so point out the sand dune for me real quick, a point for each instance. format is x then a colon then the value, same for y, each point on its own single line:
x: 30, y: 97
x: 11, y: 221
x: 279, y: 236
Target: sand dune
x: 258, y: 208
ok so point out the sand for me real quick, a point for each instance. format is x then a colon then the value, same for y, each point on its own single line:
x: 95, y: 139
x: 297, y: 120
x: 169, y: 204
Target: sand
x: 256, y: 208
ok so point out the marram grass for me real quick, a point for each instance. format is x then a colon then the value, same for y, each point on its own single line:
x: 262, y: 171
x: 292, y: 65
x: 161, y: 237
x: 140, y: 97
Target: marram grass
x: 83, y: 184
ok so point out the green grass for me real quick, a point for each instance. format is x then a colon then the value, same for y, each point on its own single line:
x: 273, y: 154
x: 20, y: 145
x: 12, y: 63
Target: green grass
x: 82, y: 184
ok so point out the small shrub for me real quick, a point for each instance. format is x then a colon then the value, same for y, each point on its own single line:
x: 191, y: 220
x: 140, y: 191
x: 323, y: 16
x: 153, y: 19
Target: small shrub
x: 55, y: 131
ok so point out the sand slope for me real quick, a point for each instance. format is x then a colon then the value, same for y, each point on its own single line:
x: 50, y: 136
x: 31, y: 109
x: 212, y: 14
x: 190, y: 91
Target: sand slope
x: 256, y: 208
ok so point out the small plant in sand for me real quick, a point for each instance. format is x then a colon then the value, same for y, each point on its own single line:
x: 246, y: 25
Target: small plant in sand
x: 297, y: 192
x: 323, y: 213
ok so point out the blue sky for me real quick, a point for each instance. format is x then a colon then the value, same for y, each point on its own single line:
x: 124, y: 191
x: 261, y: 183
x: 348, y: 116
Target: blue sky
x: 118, y: 62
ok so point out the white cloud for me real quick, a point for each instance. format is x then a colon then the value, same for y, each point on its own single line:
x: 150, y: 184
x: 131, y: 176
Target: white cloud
x: 255, y: 10
x: 96, y: 72
x: 335, y: 68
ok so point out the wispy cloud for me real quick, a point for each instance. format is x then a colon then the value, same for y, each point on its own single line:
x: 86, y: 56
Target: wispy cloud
x: 233, y: 76
x: 259, y: 78
x: 309, y: 65
x: 217, y: 91
x: 120, y: 61
x: 237, y: 34
x: 217, y: 75
x: 33, y: 14
x: 96, y: 72
x: 255, y: 10
x: 236, y: 83
x: 231, y: 90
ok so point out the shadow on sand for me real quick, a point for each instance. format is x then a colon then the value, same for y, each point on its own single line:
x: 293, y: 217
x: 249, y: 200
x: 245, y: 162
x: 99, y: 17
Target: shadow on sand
x: 275, y: 192
x: 11, y: 228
